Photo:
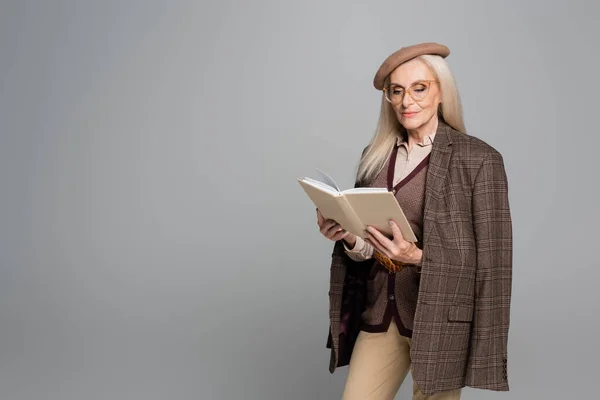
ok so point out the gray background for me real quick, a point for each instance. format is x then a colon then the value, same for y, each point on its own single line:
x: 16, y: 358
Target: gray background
x: 154, y: 242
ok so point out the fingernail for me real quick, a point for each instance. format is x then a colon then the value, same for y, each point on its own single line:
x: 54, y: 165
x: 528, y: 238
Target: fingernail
x: 390, y: 222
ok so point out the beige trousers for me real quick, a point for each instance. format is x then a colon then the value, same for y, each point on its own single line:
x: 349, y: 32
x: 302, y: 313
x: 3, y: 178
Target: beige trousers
x: 378, y: 366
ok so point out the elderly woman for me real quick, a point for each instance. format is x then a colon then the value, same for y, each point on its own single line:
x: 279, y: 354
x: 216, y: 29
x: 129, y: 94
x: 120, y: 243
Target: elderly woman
x: 439, y: 307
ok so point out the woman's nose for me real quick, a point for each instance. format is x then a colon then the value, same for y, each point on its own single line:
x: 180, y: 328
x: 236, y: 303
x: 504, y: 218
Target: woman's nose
x: 407, y: 100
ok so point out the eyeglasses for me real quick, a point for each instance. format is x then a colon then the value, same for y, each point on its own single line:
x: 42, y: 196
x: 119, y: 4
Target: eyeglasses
x: 418, y: 91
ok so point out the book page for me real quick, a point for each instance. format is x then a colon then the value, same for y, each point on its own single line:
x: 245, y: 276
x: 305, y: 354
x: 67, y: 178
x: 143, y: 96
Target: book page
x: 366, y: 190
x: 322, y: 186
x: 327, y: 179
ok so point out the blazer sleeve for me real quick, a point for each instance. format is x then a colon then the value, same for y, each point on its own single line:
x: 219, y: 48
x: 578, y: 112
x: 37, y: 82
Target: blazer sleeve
x: 487, y: 364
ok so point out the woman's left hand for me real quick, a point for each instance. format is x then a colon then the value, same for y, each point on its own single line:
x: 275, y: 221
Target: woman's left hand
x: 396, y: 249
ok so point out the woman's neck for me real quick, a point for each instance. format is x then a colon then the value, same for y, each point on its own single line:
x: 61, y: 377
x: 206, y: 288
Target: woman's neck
x: 419, y: 134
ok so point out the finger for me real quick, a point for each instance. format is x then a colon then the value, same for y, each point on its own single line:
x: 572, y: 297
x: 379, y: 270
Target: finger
x: 331, y: 225
x: 375, y: 243
x: 396, y: 232
x: 327, y: 225
x: 320, y: 218
x: 401, y: 244
x: 369, y: 238
x: 340, y: 235
x: 383, y: 241
x: 334, y: 229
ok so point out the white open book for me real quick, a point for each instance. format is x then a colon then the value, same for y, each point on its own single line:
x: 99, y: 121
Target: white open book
x: 356, y: 208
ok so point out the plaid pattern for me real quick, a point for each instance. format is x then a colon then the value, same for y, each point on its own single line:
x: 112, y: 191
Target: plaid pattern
x: 461, y: 323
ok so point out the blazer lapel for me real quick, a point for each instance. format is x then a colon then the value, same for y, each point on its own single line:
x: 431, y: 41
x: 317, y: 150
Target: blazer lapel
x: 438, y: 164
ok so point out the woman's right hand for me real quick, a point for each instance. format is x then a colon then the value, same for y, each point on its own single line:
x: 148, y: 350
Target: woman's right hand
x: 333, y: 231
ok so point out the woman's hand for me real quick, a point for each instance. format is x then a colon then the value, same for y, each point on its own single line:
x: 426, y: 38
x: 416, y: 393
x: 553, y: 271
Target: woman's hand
x: 333, y: 231
x: 396, y: 249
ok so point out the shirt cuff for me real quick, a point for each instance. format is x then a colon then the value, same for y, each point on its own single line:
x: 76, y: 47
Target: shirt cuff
x: 361, y: 251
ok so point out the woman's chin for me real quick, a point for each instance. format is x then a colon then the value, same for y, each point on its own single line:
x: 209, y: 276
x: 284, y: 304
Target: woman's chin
x: 411, y: 123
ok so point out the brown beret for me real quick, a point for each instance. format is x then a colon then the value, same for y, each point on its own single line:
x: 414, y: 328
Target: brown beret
x: 405, y: 54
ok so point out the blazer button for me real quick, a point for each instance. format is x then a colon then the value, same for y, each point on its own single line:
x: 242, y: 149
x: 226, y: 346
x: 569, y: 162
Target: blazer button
x: 391, y: 297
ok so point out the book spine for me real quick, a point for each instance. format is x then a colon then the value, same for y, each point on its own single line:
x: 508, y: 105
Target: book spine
x: 356, y: 226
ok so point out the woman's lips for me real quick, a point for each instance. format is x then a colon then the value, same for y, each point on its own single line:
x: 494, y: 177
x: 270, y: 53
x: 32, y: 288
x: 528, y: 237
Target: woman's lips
x: 410, y: 114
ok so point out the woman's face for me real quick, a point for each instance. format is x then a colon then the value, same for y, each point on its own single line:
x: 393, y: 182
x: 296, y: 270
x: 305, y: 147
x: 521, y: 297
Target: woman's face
x: 417, y: 76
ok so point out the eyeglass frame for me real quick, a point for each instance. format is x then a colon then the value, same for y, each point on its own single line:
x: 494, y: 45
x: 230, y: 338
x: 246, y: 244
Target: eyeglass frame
x: 429, y: 81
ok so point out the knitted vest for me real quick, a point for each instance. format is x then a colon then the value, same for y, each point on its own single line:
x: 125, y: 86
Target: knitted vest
x: 394, y: 295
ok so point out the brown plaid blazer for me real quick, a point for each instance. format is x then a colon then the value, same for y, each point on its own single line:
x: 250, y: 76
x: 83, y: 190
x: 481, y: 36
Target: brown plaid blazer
x: 463, y: 310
